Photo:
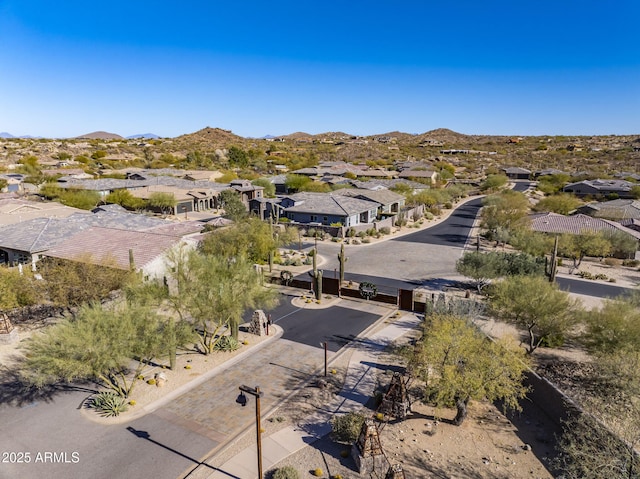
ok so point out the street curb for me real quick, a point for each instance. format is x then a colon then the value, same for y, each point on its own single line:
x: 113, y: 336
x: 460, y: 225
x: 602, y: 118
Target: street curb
x: 158, y: 403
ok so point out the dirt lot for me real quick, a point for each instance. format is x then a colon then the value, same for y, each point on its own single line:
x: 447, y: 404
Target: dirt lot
x: 487, y: 445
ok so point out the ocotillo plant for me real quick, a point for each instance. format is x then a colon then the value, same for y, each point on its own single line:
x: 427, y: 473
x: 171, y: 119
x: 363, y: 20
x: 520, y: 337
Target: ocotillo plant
x: 343, y: 259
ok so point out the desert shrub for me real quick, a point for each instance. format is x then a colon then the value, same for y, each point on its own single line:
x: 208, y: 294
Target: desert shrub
x: 631, y: 263
x: 366, y: 240
x: 108, y: 404
x: 385, y: 230
x: 346, y: 428
x: 351, y: 232
x: 226, y: 343
x: 361, y: 234
x: 317, y: 472
x: 311, y: 232
x: 611, y: 261
x: 151, y: 382
x: 372, y: 232
x: 286, y: 472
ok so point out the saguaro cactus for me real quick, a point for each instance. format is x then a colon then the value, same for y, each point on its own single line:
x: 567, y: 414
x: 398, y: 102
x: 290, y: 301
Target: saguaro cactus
x: 343, y: 259
x: 316, y: 276
x: 318, y: 280
x: 551, y: 266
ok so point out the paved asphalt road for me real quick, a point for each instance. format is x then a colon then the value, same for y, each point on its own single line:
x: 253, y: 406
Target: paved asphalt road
x: 176, y: 437
x: 161, y: 444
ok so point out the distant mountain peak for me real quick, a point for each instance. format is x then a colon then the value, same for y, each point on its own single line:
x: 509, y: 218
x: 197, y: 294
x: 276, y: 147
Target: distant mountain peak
x: 150, y: 136
x: 100, y: 135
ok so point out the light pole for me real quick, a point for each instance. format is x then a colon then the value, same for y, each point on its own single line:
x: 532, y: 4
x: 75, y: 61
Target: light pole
x: 325, y: 345
x: 242, y: 400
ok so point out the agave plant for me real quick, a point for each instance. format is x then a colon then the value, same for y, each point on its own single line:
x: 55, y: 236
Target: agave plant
x: 227, y: 343
x: 108, y: 404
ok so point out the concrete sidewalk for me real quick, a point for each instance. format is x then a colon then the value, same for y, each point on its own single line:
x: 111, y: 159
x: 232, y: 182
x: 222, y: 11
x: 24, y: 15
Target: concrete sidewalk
x: 359, y: 386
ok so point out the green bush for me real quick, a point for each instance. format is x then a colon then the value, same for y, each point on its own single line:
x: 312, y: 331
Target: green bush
x: 108, y: 404
x: 226, y: 343
x: 631, y: 263
x: 286, y: 472
x: 317, y: 472
x: 346, y: 428
x: 385, y: 230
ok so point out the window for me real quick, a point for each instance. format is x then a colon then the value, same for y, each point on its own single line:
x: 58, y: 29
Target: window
x: 313, y: 218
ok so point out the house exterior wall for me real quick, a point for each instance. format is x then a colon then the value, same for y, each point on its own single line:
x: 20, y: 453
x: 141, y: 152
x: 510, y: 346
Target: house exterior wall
x: 316, y: 218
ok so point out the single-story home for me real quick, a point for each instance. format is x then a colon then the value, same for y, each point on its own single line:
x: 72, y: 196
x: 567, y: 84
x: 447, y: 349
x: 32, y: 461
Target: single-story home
x: 388, y: 201
x: 517, y: 173
x: 600, y: 188
x: 327, y: 209
x: 576, y: 224
x: 24, y: 242
x: 148, y: 248
x: 612, y: 210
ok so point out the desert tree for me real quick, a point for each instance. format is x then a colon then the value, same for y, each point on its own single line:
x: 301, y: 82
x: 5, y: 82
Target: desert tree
x: 532, y: 242
x: 458, y: 364
x: 212, y: 292
x: 252, y: 238
x: 507, y: 209
x: 18, y: 290
x: 110, y: 346
x: 269, y: 188
x: 234, y: 208
x: 561, y: 203
x: 494, y: 182
x: 71, y: 283
x: 545, y: 312
x: 125, y: 199
x: 480, y: 267
x: 165, y: 202
x: 587, y: 243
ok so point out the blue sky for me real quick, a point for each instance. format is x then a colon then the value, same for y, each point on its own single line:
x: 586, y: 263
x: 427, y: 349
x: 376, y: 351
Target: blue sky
x: 257, y: 68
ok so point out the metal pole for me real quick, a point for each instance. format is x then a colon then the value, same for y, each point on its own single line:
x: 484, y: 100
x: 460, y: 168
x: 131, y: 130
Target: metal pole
x: 258, y: 433
x: 255, y: 392
x: 325, y: 359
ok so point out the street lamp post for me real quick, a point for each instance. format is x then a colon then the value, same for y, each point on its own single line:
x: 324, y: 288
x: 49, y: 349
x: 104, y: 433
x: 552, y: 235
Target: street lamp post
x: 242, y: 400
x: 325, y: 345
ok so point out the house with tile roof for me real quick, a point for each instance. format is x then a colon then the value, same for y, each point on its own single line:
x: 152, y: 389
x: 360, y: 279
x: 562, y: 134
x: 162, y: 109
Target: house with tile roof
x: 388, y: 201
x: 17, y: 210
x: 327, y: 209
x: 26, y: 241
x: 419, y: 173
x: 600, y: 188
x: 517, y: 173
x: 616, y: 210
x: 576, y: 224
x: 377, y: 184
x: 148, y: 248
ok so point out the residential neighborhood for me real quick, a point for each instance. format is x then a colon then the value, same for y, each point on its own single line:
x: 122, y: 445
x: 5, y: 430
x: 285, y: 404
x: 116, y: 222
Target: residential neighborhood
x: 261, y: 273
